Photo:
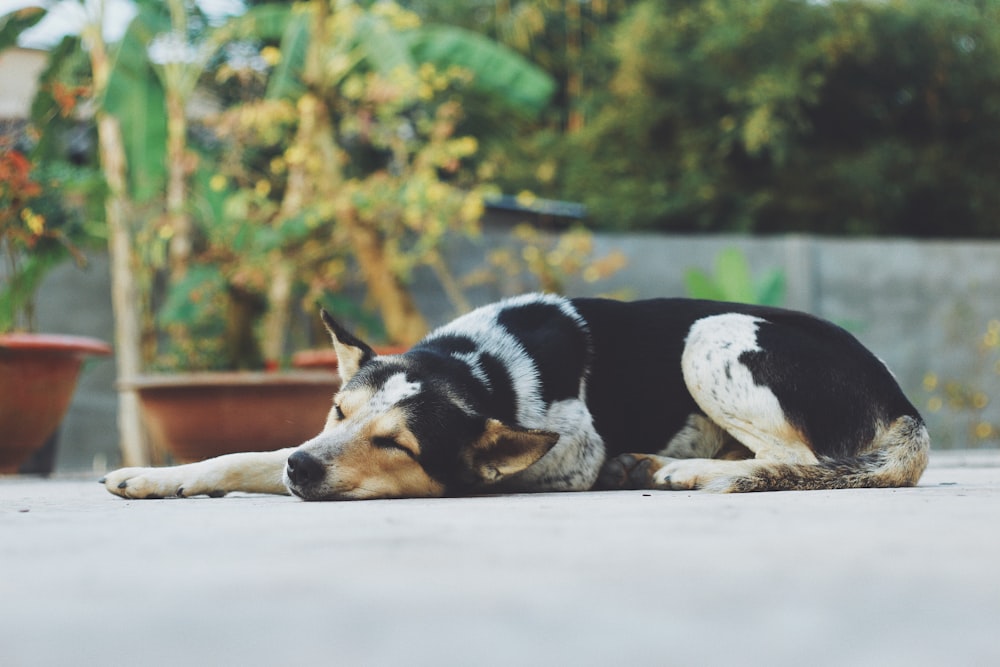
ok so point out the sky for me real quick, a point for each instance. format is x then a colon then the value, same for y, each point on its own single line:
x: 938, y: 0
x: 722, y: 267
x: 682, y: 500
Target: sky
x: 66, y: 17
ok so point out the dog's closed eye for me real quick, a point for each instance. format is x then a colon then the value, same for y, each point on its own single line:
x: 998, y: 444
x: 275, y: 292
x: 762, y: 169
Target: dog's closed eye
x: 337, y: 411
x: 383, y: 442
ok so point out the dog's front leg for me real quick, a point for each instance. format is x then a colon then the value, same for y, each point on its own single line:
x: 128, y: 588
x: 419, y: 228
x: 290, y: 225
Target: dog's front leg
x: 251, y: 472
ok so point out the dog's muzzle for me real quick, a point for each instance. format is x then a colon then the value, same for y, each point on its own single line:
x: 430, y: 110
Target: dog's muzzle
x: 304, y: 470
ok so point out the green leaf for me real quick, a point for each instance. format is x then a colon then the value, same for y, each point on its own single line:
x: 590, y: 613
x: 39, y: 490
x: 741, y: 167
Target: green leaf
x: 16, y: 22
x: 285, y: 81
x: 263, y: 22
x: 136, y: 98
x: 701, y: 286
x: 385, y: 48
x: 18, y: 291
x: 498, y: 71
x: 180, y: 306
x: 211, y: 202
x: 733, y: 275
x: 772, y: 289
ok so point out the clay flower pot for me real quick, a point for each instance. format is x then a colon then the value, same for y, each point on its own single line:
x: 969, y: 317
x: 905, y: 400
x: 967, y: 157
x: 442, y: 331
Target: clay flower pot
x: 38, y: 374
x: 326, y: 359
x: 196, y: 416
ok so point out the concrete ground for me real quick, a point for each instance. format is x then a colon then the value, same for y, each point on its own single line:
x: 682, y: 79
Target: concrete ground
x: 865, y: 577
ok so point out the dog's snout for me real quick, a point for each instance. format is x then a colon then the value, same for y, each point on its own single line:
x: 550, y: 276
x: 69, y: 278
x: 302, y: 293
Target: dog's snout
x: 304, y: 469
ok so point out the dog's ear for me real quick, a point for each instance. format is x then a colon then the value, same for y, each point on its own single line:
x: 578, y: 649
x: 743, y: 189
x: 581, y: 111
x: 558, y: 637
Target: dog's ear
x: 352, y: 353
x: 503, y: 450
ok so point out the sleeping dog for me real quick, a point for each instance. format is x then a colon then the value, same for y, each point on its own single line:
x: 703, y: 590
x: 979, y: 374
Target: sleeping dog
x: 544, y: 393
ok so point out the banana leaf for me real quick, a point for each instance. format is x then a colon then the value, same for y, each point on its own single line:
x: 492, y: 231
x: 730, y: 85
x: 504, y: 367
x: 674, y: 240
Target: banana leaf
x: 499, y: 72
x: 733, y: 274
x: 16, y: 22
x: 286, y: 80
x: 136, y: 98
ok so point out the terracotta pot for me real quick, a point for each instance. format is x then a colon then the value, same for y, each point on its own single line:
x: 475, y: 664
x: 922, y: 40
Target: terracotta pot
x: 38, y: 374
x: 196, y: 416
x: 326, y: 359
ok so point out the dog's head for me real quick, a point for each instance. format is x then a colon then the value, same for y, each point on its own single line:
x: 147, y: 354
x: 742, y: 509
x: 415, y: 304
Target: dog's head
x: 400, y: 427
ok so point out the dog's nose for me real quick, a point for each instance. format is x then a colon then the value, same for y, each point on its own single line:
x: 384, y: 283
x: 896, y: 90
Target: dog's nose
x: 304, y: 469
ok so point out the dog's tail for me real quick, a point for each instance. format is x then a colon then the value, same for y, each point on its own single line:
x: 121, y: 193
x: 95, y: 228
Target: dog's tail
x: 898, y: 458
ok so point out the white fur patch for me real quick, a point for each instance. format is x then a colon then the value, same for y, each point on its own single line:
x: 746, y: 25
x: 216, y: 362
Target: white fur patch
x: 725, y: 389
x: 397, y: 388
x: 481, y: 325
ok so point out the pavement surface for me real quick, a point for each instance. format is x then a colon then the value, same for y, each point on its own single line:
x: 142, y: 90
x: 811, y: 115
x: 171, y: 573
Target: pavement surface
x: 859, y: 577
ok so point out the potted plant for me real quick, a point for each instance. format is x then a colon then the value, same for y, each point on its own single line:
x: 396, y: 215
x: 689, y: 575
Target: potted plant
x: 39, y: 371
x: 345, y: 160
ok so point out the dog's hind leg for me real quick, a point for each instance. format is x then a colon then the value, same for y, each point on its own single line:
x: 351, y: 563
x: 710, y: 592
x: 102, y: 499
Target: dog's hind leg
x: 736, y: 409
x: 700, y: 438
x: 896, y: 458
x: 250, y: 472
x: 783, y: 458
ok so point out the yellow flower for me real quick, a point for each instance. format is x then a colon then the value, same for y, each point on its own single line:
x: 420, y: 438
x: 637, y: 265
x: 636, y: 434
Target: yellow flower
x: 526, y: 198
x: 472, y: 209
x: 984, y: 430
x: 546, y: 171
x: 271, y: 55
x: 34, y: 221
x: 465, y: 146
x: 262, y: 188
x: 353, y: 88
x: 218, y: 183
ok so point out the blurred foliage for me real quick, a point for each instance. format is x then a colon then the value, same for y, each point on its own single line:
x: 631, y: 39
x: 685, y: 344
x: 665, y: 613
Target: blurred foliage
x: 344, y: 145
x: 969, y: 402
x: 536, y: 260
x: 847, y: 117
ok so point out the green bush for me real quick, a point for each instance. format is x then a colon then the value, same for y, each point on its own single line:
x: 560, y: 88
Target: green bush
x: 777, y: 115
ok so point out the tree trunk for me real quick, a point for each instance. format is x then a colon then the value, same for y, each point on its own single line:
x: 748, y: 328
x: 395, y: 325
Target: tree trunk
x: 124, y: 294
x: 180, y: 223
x: 279, y: 302
x: 403, y: 322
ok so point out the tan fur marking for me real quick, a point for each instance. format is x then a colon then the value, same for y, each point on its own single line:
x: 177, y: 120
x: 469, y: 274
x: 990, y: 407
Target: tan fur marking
x: 392, y: 425
x: 386, y: 473
x: 777, y: 442
x: 352, y: 402
x: 733, y: 451
x: 364, y: 470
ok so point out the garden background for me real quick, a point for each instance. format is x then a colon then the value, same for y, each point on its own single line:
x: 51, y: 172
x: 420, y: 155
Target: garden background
x: 222, y: 174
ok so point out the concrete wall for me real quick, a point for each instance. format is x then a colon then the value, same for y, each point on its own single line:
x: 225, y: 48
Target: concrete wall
x: 920, y: 305
x: 19, y: 72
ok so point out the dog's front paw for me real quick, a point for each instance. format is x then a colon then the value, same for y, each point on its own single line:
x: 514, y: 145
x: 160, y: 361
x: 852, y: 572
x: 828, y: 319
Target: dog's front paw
x: 630, y: 471
x: 152, y: 483
x: 141, y: 483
